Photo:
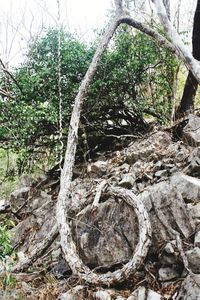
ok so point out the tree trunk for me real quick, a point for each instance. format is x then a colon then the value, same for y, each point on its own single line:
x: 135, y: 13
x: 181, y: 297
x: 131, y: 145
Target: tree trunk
x: 191, y: 84
x: 187, y: 57
x: 167, y: 7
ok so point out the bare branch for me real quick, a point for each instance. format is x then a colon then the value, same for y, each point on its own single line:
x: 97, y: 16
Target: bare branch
x: 5, y: 70
x: 185, y: 53
x: 162, y: 41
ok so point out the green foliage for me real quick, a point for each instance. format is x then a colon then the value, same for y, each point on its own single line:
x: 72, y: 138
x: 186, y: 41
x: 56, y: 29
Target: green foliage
x: 134, y: 73
x: 8, y: 172
x: 33, y: 113
x: 6, y: 254
x: 5, y: 240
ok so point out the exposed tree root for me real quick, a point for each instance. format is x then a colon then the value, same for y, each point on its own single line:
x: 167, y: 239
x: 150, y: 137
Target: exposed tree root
x: 79, y: 268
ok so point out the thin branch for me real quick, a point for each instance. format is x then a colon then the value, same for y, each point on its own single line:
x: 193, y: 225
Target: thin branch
x: 5, y: 70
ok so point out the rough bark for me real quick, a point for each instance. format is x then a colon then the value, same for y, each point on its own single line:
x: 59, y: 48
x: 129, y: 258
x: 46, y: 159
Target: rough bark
x: 187, y: 57
x: 167, y: 7
x: 191, y: 85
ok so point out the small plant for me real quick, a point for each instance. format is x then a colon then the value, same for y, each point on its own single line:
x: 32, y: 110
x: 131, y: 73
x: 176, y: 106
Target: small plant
x: 5, y: 244
x: 6, y: 254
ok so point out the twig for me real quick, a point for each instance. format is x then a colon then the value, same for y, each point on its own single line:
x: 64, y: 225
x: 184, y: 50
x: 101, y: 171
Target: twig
x: 99, y: 191
x: 11, y: 76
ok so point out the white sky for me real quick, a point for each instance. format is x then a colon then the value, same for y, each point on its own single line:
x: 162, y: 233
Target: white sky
x: 21, y: 20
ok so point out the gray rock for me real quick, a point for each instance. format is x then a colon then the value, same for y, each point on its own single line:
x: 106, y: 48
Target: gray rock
x: 108, y: 236
x: 138, y: 294
x: 166, y: 274
x: 142, y: 294
x: 188, y: 186
x: 197, y: 239
x: 194, y: 161
x: 161, y: 173
x: 73, y: 294
x: 104, y: 294
x: 191, y: 132
x: 174, y: 170
x: 168, y: 256
x: 169, y: 248
x: 98, y: 168
x: 190, y: 288
x: 21, y: 193
x: 27, y: 181
x: 180, y: 156
x: 4, y: 206
x: 127, y: 181
x: 151, y: 295
x: 194, y: 210
x: 165, y: 197
x: 168, y: 260
x: 194, y: 259
x: 61, y: 269
x: 158, y: 165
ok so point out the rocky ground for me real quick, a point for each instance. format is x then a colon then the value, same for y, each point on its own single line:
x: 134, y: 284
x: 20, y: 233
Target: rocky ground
x: 163, y: 169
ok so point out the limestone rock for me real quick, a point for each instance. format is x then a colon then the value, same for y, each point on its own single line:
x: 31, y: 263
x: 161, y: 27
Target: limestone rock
x: 127, y: 181
x: 98, y: 168
x: 153, y: 295
x: 138, y: 294
x: 142, y: 294
x: 161, y: 173
x: 165, y: 198
x: 73, y: 294
x: 169, y: 248
x: 194, y: 259
x: 194, y: 161
x: 166, y: 274
x: 104, y: 295
x: 190, y: 288
x: 4, y: 206
x: 108, y: 235
x: 197, y: 239
x: 188, y: 186
x: 191, y: 132
x: 18, y: 197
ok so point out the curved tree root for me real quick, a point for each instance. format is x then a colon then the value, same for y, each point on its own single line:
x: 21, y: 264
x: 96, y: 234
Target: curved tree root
x: 79, y: 268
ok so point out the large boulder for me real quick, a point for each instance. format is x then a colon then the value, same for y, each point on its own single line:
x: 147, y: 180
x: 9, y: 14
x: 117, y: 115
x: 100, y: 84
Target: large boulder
x: 191, y: 132
x: 190, y: 288
x: 107, y: 235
